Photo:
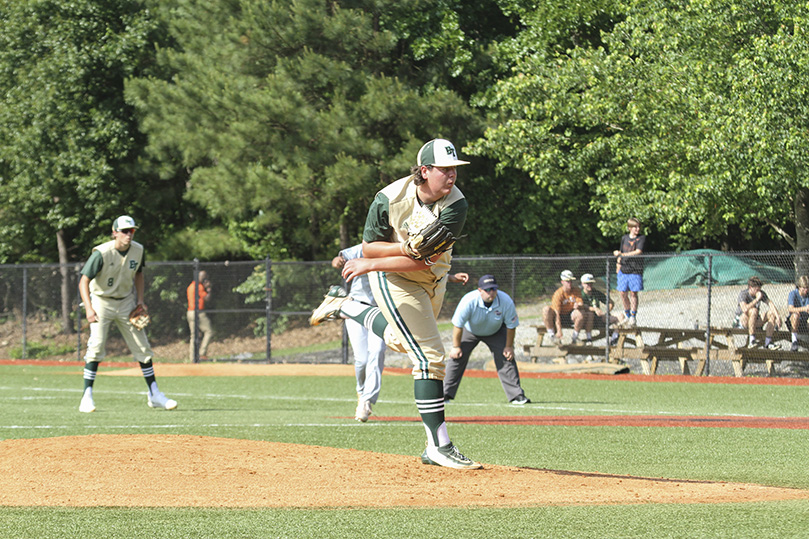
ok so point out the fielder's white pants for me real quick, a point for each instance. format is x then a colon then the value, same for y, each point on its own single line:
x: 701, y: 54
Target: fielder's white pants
x: 116, y: 311
x: 369, y: 360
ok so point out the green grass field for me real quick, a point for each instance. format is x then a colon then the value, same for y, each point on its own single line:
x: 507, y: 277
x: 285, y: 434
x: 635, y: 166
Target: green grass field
x: 42, y: 402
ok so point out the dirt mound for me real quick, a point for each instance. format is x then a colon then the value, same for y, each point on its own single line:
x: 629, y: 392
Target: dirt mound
x: 198, y: 471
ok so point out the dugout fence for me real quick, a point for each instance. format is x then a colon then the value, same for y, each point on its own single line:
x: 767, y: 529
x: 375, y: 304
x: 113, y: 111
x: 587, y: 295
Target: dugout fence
x: 256, y: 303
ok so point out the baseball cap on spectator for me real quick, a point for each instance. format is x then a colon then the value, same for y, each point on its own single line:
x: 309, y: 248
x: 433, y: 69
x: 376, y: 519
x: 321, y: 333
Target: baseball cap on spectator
x: 588, y: 278
x: 567, y: 275
x: 124, y: 222
x: 439, y: 153
x: 487, y: 282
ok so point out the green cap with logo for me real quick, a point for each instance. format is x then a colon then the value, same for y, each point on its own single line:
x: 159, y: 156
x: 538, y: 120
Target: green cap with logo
x: 439, y: 153
x: 124, y: 222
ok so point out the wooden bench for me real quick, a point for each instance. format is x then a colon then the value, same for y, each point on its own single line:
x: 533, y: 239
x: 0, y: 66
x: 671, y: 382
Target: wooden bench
x: 652, y: 345
x: 740, y: 356
x: 719, y: 345
x: 669, y: 345
x: 560, y: 352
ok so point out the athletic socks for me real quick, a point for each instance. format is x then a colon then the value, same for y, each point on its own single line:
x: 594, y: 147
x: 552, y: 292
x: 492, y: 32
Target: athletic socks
x: 90, y: 371
x: 430, y: 403
x: 369, y: 317
x: 148, y: 373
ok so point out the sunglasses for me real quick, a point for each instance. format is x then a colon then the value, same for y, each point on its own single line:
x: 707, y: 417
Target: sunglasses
x: 127, y: 231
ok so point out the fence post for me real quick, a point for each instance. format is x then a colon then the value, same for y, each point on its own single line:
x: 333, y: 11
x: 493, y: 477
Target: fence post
x: 78, y: 315
x: 707, y: 371
x: 268, y: 308
x: 25, y: 313
x: 195, y: 336
x: 609, y: 311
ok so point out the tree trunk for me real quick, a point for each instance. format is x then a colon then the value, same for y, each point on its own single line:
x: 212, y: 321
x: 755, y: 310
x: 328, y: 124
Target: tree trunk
x: 802, y: 231
x: 67, y: 325
x: 343, y: 234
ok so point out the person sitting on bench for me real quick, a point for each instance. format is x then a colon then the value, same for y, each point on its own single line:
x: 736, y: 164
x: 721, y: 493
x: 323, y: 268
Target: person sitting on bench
x: 566, y: 309
x: 750, y: 316
x: 798, y: 308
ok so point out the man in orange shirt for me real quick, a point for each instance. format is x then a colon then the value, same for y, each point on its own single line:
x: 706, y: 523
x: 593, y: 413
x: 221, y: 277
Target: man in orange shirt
x: 566, y: 309
x: 192, y: 315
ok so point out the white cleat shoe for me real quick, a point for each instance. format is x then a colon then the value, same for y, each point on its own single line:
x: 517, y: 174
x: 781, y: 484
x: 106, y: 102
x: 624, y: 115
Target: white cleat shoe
x: 448, y: 456
x: 329, y: 309
x: 363, y: 411
x: 159, y: 400
x: 87, y: 404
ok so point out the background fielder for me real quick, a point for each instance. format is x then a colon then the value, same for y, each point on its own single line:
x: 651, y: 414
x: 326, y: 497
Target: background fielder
x: 111, y: 286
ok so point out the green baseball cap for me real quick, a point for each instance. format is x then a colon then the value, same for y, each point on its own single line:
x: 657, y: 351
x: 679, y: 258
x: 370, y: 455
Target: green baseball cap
x: 439, y: 153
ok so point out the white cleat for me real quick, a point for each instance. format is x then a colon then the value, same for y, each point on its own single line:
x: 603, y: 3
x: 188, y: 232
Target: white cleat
x: 87, y: 404
x: 329, y: 309
x: 449, y: 457
x: 159, y: 400
x: 363, y: 411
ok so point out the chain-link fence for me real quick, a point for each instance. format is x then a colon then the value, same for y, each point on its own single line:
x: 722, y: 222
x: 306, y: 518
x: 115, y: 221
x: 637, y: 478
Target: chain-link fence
x: 259, y: 309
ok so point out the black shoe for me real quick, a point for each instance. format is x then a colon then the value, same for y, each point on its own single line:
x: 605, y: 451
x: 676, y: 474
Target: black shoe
x: 447, y: 398
x: 794, y: 347
x: 614, y: 340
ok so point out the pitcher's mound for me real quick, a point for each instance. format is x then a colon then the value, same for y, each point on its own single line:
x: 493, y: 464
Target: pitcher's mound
x: 198, y: 471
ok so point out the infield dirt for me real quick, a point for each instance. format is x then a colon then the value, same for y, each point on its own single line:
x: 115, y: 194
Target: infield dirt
x: 197, y: 471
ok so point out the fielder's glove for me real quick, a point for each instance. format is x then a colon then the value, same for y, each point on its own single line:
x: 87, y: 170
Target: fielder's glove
x: 139, y: 317
x: 433, y: 239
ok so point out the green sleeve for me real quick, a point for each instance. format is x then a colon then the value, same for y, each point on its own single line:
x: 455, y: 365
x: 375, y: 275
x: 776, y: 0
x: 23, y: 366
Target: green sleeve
x: 454, y: 216
x: 377, y: 224
x: 93, y: 265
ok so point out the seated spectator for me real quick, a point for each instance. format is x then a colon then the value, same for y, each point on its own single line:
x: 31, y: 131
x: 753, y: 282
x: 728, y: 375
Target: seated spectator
x: 596, y: 308
x: 798, y: 308
x: 750, y: 316
x: 566, y: 309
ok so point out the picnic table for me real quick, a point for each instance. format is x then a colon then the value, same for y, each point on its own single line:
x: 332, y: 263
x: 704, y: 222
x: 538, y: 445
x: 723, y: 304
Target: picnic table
x: 651, y: 345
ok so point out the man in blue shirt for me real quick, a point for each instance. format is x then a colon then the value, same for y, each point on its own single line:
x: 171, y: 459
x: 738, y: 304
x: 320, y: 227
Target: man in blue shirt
x: 798, y: 307
x: 487, y: 315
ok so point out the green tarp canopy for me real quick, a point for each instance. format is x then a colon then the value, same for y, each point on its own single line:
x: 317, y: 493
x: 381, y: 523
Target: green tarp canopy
x: 690, y: 269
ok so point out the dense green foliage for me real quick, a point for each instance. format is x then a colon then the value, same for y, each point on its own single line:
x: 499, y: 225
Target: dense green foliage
x: 244, y: 128
x: 70, y: 150
x: 689, y: 115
